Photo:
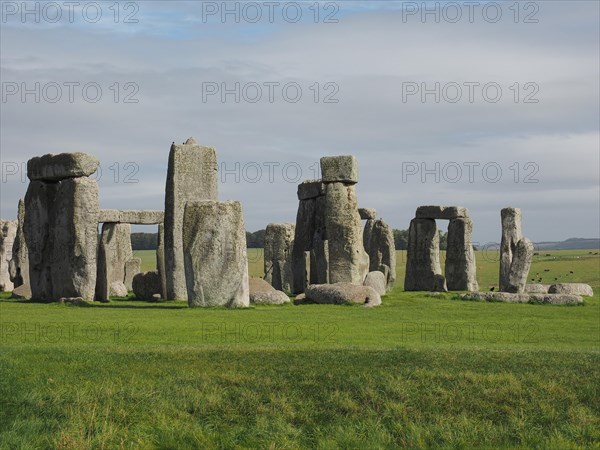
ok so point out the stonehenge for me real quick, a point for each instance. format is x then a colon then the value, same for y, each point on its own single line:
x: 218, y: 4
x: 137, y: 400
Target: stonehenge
x: 516, y: 253
x: 378, y: 240
x: 191, y: 176
x: 8, y: 234
x: 423, y: 269
x: 114, y: 252
x: 19, y: 264
x: 279, y: 240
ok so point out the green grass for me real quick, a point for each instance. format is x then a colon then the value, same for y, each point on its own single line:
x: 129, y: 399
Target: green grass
x: 417, y: 372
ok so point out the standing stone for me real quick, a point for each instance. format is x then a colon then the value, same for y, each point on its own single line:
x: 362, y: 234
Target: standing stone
x: 519, y: 268
x: 191, y: 176
x: 461, y: 270
x: 39, y: 235
x: 8, y: 234
x: 379, y: 243
x: 423, y: 271
x: 279, y: 241
x: 133, y: 266
x: 19, y: 264
x: 303, y: 236
x: 75, y: 231
x: 216, y: 260
x: 114, y: 250
x: 319, y: 254
x: 377, y: 281
x: 348, y: 261
x: 511, y: 235
x: 160, y: 261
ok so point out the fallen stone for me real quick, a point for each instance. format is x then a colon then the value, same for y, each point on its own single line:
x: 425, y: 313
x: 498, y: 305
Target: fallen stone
x: 535, y: 288
x: 571, y: 288
x: 339, y: 169
x: 132, y: 268
x: 118, y: 289
x: 22, y: 292
x: 441, y: 212
x: 214, y: 248
x: 269, y: 297
x: 348, y: 260
x: 18, y: 266
x: 74, y: 301
x: 423, y: 271
x: 8, y: 234
x: 191, y: 176
x: 519, y: 268
x: 461, y: 269
x: 511, y: 235
x: 141, y: 217
x: 259, y: 285
x: 310, y: 189
x: 156, y: 298
x: 342, y: 293
x: 377, y: 281
x: 367, y: 213
x: 57, y: 167
x: 146, y: 285
x: 279, y: 241
x: 507, y: 297
x: 300, y: 298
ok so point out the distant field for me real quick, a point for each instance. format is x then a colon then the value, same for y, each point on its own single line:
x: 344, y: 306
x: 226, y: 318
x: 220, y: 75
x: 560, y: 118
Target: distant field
x: 416, y: 372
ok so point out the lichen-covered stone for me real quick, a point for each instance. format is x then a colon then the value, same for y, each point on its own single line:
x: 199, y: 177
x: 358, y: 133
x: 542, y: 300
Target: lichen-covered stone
x: 57, y: 167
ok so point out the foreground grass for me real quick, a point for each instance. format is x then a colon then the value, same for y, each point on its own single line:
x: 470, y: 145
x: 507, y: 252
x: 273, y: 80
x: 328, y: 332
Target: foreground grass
x: 417, y: 372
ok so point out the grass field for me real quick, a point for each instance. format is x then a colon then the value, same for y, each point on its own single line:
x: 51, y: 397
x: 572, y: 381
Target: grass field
x: 417, y: 372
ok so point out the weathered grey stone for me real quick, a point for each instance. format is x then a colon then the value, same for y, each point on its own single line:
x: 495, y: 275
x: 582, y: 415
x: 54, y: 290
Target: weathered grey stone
x: 259, y: 285
x: 146, y: 285
x: 141, y: 217
x: 339, y: 169
x: 269, y: 297
x: 534, y: 288
x: 8, y: 234
x: 571, y: 288
x: 56, y: 167
x: 191, y: 176
x: 117, y: 289
x: 279, y: 241
x: 39, y: 235
x: 160, y: 261
x: 22, y: 292
x: 507, y: 297
x: 299, y: 299
x: 511, y: 235
x: 461, y: 269
x: 367, y: 213
x: 75, y: 230
x: 441, y: 212
x: 133, y: 266
x: 378, y: 239
x: 319, y: 253
x: 310, y: 189
x: 519, y: 268
x: 303, y: 238
x: 377, y: 281
x: 342, y: 293
x: 216, y: 261
x: 18, y: 266
x: 348, y: 260
x: 74, y: 301
x: 423, y: 271
x: 114, y: 250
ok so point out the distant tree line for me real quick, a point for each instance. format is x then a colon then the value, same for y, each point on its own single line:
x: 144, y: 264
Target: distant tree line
x: 149, y: 241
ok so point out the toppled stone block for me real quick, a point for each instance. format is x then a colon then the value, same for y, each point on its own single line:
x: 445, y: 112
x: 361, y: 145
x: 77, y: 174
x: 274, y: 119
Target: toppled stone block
x: 441, y: 212
x: 342, y: 169
x: 377, y: 281
x: 310, y: 189
x: 146, y: 285
x: 342, y: 293
x: 269, y: 297
x: 56, y: 167
x: 22, y: 292
x: 507, y: 297
x: 535, y: 288
x: 571, y: 288
x: 259, y: 285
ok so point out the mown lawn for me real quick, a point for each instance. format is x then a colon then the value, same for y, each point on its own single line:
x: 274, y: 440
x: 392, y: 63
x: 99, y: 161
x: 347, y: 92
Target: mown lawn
x: 417, y: 372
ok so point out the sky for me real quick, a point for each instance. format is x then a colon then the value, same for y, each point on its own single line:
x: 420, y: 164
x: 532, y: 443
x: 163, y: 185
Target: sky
x: 478, y: 104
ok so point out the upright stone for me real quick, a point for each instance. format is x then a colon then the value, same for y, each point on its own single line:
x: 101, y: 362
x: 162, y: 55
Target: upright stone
x: 348, y: 261
x: 8, y: 234
x: 379, y: 243
x: 75, y: 231
x: 160, y: 261
x: 461, y: 270
x: 215, y: 256
x: 133, y: 266
x: 303, y: 236
x: 114, y: 250
x: 39, y: 235
x: 511, y: 235
x: 423, y: 271
x: 19, y: 263
x: 519, y: 268
x: 191, y: 176
x: 319, y: 254
x: 279, y: 241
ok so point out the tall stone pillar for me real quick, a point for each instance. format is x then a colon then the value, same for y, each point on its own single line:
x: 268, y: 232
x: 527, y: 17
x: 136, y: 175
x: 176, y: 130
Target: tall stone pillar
x: 279, y: 241
x: 160, y: 261
x: 511, y: 235
x: 8, y: 234
x: 379, y: 243
x: 114, y: 251
x: 191, y: 176
x: 423, y: 271
x: 461, y: 269
x: 19, y: 264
